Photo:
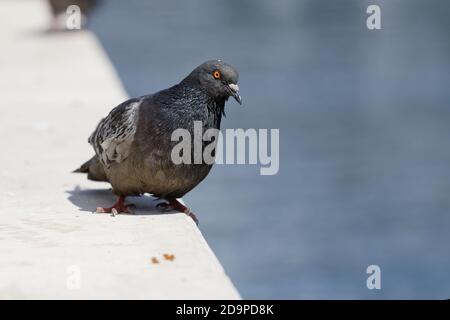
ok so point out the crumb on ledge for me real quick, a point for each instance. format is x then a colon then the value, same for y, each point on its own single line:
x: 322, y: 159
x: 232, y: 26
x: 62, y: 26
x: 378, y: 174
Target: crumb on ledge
x: 154, y: 260
x: 169, y: 257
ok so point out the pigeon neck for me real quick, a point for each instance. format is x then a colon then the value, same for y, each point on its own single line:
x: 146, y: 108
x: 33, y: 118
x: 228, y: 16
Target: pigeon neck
x: 215, y: 106
x: 199, y: 98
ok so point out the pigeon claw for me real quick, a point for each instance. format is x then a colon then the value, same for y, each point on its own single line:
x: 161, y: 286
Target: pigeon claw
x: 118, y: 208
x: 193, y: 216
x: 177, y: 205
x: 163, y: 206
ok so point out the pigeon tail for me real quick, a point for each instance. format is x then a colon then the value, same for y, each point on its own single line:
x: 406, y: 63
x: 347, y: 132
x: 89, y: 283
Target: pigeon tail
x: 84, y: 168
x: 94, y: 170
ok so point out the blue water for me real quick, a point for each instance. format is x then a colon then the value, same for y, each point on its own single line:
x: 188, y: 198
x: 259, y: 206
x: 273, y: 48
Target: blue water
x: 364, y: 121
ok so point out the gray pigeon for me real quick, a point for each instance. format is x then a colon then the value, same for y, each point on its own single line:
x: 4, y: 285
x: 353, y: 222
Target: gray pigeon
x: 133, y: 143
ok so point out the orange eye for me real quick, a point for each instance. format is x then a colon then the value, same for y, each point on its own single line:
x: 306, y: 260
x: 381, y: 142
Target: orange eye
x: 216, y: 74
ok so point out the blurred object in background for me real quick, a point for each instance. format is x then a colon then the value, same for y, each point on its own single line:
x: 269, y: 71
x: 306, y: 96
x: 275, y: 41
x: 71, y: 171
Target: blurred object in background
x: 60, y: 14
x: 364, y: 137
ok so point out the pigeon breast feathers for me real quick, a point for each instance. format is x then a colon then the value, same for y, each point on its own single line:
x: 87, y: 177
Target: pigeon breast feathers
x: 114, y: 134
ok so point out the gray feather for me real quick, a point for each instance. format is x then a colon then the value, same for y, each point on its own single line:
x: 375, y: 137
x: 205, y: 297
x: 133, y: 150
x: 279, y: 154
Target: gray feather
x: 114, y: 134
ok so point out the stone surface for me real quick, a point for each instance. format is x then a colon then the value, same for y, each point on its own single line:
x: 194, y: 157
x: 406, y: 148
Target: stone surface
x: 55, y: 87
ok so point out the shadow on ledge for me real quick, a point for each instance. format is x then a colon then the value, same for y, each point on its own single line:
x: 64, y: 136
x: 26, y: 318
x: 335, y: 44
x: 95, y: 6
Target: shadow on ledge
x: 88, y: 200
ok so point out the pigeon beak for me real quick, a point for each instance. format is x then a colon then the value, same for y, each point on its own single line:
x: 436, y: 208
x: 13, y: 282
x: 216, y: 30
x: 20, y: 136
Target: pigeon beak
x: 234, y: 88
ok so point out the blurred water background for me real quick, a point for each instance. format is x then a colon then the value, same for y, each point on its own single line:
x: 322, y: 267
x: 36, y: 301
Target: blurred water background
x: 364, y: 121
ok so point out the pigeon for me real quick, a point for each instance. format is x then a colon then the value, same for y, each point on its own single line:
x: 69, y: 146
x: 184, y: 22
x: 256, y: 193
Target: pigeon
x: 133, y: 142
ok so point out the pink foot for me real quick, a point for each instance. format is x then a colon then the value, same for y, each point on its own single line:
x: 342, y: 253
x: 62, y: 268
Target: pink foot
x: 177, y: 205
x: 117, y: 208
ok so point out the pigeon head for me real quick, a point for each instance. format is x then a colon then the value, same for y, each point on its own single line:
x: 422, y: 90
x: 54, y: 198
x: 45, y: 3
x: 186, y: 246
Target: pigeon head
x: 218, y: 78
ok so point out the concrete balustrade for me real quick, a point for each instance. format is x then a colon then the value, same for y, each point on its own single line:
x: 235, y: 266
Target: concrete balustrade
x: 54, y: 89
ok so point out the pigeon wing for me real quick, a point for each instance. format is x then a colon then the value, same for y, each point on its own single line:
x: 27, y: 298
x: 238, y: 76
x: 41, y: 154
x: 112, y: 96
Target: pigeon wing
x: 114, y: 134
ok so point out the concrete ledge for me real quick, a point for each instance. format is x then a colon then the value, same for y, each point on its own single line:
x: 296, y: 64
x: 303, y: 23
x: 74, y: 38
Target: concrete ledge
x: 55, y: 88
